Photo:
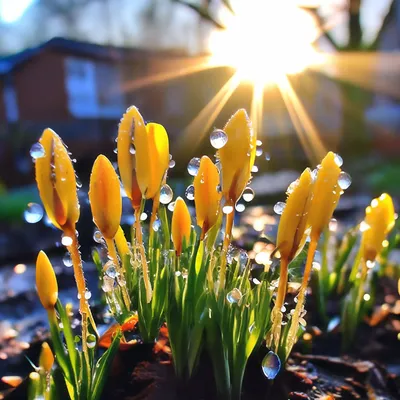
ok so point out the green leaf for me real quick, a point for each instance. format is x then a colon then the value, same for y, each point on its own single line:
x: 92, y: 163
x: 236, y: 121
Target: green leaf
x: 69, y: 337
x: 103, y: 366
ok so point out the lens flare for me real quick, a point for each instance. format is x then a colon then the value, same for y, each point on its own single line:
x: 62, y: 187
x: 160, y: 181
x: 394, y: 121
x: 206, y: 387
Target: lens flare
x: 265, y: 40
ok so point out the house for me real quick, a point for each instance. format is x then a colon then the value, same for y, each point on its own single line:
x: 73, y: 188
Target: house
x: 81, y: 90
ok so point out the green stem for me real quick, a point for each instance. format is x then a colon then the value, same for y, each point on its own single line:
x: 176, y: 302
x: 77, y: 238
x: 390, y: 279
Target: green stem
x: 227, y: 241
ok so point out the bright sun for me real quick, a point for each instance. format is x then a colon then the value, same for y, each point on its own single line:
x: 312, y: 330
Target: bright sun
x: 265, y: 40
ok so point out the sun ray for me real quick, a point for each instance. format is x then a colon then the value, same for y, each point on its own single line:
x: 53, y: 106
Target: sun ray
x: 171, y: 69
x: 305, y: 128
x: 200, y: 125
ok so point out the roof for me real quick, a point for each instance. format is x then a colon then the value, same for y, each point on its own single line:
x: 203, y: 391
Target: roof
x: 70, y: 46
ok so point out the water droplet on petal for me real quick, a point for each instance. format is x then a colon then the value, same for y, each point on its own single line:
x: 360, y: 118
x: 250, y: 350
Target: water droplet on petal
x: 218, y: 139
x: 259, y: 142
x: 292, y: 186
x: 67, y: 261
x: 171, y: 164
x: 78, y: 183
x: 33, y: 213
x: 91, y: 341
x: 338, y: 160
x: 271, y: 365
x: 267, y: 156
x: 364, y: 226
x: 193, y: 166
x: 344, y: 180
x: 37, y: 151
x: 132, y: 149
x: 234, y: 296
x: 88, y: 295
x: 279, y: 207
x: 259, y: 152
x: 227, y: 209
x: 166, y: 194
x: 248, y: 194
x: 189, y: 193
x: 66, y: 240
x: 254, y: 168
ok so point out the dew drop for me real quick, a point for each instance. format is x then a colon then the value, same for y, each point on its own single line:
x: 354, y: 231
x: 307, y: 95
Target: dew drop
x: 370, y: 264
x: 67, y: 261
x: 218, y: 139
x: 254, y: 168
x: 78, y: 183
x: 259, y: 152
x: 108, y: 284
x: 252, y: 327
x: 234, y: 296
x: 193, y: 166
x: 37, y: 151
x: 33, y: 213
x: 344, y: 180
x: 111, y: 271
x: 189, y: 193
x: 338, y: 160
x: 271, y: 365
x: 364, y: 226
x: 115, y: 151
x: 143, y: 216
x: 172, y: 163
x: 88, y: 295
x: 91, y: 341
x: 240, y: 207
x: 259, y: 142
x: 156, y: 225
x: 227, y: 209
x: 248, y: 194
x: 267, y: 156
x: 292, y: 187
x: 166, y: 194
x: 171, y: 206
x: 132, y: 149
x: 97, y: 236
x: 66, y: 240
x: 333, y: 323
x: 279, y: 207
x: 243, y: 258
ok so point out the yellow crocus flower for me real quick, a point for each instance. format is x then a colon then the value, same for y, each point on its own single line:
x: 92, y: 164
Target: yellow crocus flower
x: 206, y: 196
x: 46, y: 358
x: 152, y: 158
x: 181, y: 225
x: 56, y: 182
x: 237, y: 156
x: 290, y: 240
x: 380, y: 219
x: 105, y: 197
x: 131, y: 124
x: 325, y: 197
x: 46, y: 282
x: 293, y: 222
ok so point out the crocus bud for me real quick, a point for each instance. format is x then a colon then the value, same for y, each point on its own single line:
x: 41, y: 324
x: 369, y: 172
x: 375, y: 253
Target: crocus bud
x: 46, y: 282
x: 206, y: 196
x: 46, y: 358
x: 131, y: 124
x: 293, y: 222
x: 237, y: 156
x: 152, y: 158
x: 105, y: 197
x: 326, y: 194
x: 380, y: 219
x: 56, y: 182
x: 121, y: 242
x: 181, y: 225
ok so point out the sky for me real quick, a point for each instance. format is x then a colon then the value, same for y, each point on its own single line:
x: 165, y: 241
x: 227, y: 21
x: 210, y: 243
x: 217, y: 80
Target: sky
x: 12, y: 10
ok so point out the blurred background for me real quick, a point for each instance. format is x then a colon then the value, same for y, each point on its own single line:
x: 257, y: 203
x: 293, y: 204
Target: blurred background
x: 314, y: 75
